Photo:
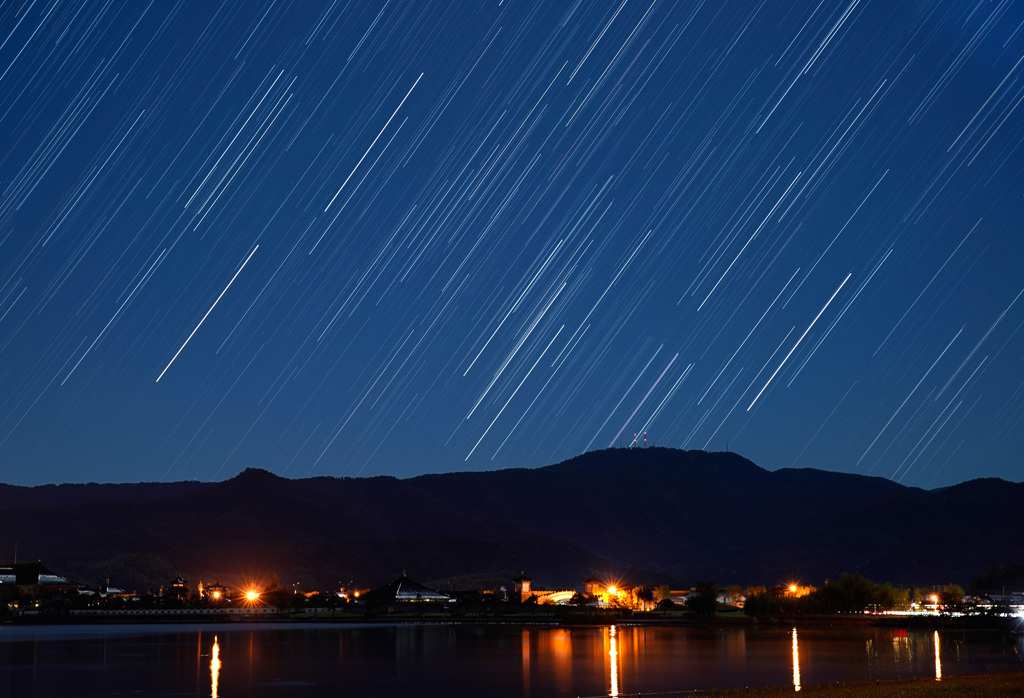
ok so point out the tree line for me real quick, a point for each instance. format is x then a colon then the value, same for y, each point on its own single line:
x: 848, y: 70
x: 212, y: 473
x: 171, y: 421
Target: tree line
x: 851, y: 593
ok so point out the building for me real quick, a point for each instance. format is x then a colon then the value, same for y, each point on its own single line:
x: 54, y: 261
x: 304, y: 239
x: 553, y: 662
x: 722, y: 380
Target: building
x: 214, y: 593
x: 30, y: 585
x: 178, y: 589
x: 592, y: 585
x: 402, y: 591
x: 521, y: 586
x: 602, y: 593
x: 108, y: 592
x: 523, y: 590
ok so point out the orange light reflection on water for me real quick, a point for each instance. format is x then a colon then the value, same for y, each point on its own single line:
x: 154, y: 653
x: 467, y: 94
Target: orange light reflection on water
x: 796, y: 662
x: 556, y: 645
x: 526, y: 661
x: 547, y: 660
x: 938, y: 658
x: 613, y: 661
x: 214, y: 668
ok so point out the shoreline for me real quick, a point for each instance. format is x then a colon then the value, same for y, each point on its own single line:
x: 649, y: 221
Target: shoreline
x: 509, y: 617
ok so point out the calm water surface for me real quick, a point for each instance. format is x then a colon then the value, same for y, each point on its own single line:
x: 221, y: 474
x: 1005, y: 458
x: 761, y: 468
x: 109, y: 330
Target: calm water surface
x: 270, y: 660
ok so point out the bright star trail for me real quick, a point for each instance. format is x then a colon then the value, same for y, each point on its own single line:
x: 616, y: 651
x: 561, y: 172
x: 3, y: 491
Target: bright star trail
x: 496, y: 234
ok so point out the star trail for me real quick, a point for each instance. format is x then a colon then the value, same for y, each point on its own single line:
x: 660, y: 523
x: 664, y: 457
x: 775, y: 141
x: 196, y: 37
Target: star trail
x: 390, y: 238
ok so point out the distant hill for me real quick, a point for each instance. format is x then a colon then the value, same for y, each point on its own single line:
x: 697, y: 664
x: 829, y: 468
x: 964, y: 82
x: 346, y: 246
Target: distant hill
x: 654, y: 514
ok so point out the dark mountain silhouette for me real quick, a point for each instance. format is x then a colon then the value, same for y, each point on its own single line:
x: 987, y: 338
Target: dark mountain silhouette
x: 654, y: 514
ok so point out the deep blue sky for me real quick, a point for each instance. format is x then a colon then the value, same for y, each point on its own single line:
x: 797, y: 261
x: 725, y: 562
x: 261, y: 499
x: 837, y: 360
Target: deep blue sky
x: 363, y: 238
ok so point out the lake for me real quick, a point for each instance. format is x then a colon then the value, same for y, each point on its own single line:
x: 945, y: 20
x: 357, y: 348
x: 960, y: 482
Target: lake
x: 256, y: 660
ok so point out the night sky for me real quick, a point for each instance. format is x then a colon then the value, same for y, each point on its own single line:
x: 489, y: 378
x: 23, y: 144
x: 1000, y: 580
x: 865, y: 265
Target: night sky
x: 357, y: 238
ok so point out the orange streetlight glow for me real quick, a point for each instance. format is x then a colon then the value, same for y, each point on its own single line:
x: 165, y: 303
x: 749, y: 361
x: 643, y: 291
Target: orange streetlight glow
x: 250, y: 595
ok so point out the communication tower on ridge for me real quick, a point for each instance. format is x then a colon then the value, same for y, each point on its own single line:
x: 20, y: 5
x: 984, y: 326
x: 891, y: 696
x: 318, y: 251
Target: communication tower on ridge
x: 635, y: 443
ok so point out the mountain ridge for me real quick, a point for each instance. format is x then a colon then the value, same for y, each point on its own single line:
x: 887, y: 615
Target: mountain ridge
x: 669, y: 515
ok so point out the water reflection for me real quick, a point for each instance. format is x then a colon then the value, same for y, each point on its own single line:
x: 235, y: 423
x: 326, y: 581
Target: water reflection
x: 901, y: 647
x: 526, y: 661
x: 468, y: 661
x: 796, y: 662
x: 214, y: 668
x: 546, y: 659
x: 557, y: 645
x: 900, y: 652
x: 613, y: 661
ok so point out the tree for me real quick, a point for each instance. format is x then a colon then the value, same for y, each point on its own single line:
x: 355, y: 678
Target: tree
x: 662, y: 593
x: 853, y: 593
x: 760, y: 603
x: 704, y: 601
x: 951, y: 597
x: 890, y: 597
x: 923, y: 596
